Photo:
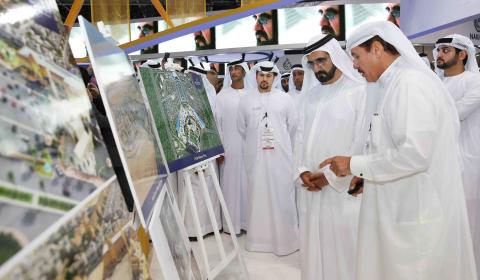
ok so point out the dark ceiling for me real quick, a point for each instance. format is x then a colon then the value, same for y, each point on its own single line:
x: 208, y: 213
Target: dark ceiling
x: 143, y: 8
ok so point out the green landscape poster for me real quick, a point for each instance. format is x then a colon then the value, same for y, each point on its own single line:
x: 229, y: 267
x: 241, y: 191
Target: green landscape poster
x: 183, y: 118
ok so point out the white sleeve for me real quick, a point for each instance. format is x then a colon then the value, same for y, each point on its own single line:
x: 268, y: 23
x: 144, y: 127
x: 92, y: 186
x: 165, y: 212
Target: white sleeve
x: 412, y: 121
x: 299, y: 145
x: 470, y: 100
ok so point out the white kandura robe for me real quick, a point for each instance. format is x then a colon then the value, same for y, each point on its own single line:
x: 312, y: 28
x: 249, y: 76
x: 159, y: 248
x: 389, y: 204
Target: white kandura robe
x: 233, y: 179
x: 205, y: 223
x: 413, y: 219
x: 465, y: 90
x: 271, y: 214
x: 328, y: 223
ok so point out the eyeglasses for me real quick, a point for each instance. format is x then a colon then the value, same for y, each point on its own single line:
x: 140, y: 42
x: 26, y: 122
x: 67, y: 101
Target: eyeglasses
x: 146, y: 29
x: 329, y: 13
x: 394, y: 11
x: 263, y: 18
x: 321, y: 61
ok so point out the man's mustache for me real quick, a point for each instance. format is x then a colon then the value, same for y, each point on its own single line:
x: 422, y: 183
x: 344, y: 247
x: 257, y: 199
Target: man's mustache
x: 200, y: 39
x: 327, y: 29
x: 260, y: 33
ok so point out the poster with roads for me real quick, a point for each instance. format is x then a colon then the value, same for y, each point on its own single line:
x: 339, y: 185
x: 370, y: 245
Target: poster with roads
x: 52, y: 155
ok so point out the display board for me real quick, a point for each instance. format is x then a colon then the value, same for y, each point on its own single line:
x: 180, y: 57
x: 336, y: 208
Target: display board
x: 129, y: 118
x: 94, y: 241
x: 167, y: 231
x: 183, y: 118
x: 52, y: 155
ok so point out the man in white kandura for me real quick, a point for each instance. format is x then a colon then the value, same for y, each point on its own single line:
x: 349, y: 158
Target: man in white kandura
x: 331, y: 114
x: 284, y: 82
x: 413, y: 220
x: 202, y: 210
x: 295, y: 81
x: 233, y: 178
x: 267, y: 121
x: 458, y: 68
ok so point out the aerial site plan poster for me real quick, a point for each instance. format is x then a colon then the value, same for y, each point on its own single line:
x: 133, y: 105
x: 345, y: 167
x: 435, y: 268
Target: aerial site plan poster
x: 169, y: 238
x: 129, y: 118
x: 52, y: 155
x: 183, y: 117
x: 94, y: 241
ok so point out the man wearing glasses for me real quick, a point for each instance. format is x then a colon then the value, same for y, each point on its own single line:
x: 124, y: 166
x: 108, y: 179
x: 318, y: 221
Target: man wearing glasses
x: 265, y: 30
x: 458, y: 68
x: 145, y: 29
x: 393, y: 10
x: 330, y: 20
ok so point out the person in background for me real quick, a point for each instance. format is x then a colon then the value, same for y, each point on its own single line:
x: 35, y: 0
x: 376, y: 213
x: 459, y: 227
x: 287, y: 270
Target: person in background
x: 233, y: 180
x: 295, y: 81
x: 284, y: 81
x: 458, y: 68
x: 267, y: 122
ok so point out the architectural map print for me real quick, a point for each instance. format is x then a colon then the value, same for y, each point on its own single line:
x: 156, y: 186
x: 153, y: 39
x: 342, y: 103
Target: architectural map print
x: 94, y: 241
x: 52, y: 155
x: 183, y: 117
x: 129, y: 118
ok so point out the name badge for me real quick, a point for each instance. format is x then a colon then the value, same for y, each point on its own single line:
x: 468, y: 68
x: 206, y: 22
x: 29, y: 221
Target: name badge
x: 268, y: 139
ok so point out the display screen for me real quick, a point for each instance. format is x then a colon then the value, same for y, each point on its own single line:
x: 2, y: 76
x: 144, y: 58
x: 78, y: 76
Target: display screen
x: 298, y: 25
x: 357, y: 14
x: 200, y: 40
x: 256, y: 30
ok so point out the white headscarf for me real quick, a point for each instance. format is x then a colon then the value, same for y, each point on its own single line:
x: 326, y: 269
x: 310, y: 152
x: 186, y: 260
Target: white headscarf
x: 291, y: 84
x: 462, y: 43
x: 227, y: 80
x: 285, y: 75
x: 252, y: 74
x: 390, y: 33
x: 340, y: 59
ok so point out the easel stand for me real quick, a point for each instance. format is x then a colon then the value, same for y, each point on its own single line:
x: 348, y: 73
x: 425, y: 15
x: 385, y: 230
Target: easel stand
x: 226, y: 258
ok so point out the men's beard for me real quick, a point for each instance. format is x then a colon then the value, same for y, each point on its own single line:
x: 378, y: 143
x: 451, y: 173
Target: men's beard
x: 326, y: 29
x: 298, y: 85
x: 262, y: 38
x: 285, y: 88
x: 324, y: 77
x: 236, y: 79
x: 200, y: 42
x: 448, y: 64
x: 263, y: 86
